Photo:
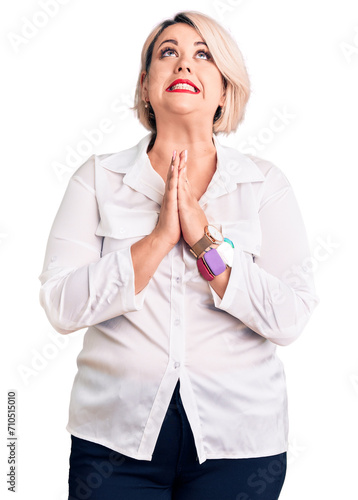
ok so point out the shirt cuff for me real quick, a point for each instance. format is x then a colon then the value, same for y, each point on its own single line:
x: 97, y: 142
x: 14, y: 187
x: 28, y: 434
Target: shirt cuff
x: 133, y: 301
x: 234, y: 295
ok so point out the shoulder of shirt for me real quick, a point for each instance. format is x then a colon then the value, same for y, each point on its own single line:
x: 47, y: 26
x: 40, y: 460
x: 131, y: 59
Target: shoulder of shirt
x: 252, y: 168
x: 85, y: 173
x: 271, y: 172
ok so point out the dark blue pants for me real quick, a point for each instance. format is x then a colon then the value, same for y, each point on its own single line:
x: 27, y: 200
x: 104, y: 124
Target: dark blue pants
x: 174, y: 473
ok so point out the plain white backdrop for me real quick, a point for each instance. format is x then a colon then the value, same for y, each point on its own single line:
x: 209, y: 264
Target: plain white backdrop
x: 69, y: 68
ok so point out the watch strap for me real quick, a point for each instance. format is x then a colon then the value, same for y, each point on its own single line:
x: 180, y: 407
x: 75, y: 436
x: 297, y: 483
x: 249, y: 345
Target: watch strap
x: 200, y: 246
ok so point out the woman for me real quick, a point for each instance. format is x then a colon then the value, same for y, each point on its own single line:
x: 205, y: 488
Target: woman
x: 188, y: 263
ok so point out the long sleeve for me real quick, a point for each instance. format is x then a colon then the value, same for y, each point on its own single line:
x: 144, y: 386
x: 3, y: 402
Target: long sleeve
x: 79, y: 288
x: 273, y: 294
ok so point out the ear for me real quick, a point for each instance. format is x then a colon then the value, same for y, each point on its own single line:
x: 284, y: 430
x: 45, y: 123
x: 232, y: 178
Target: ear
x: 144, y: 85
x: 223, y: 95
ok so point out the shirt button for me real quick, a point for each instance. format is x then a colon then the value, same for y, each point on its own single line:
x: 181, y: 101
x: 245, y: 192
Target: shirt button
x: 177, y: 279
x: 122, y: 230
x: 177, y: 322
x: 176, y: 364
x: 53, y: 258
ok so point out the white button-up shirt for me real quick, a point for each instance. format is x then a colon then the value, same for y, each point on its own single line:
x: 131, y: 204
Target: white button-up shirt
x: 136, y: 347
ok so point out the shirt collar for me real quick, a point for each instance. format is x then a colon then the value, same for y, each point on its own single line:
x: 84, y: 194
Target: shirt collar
x: 233, y: 168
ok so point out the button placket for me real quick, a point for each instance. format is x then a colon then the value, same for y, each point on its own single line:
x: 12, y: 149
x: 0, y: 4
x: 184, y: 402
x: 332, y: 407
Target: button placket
x: 177, y: 336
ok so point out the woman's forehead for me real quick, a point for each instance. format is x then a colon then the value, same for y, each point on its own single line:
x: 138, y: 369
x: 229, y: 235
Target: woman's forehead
x: 179, y: 32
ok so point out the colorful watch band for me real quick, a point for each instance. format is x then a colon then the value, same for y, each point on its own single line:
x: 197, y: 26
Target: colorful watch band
x: 204, y: 271
x: 229, y: 241
x: 214, y: 262
x: 226, y: 252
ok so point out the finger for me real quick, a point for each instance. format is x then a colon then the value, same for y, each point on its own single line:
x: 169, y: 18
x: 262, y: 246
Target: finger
x: 184, y: 191
x: 183, y: 159
x: 172, y: 177
x: 174, y: 171
x: 183, y: 171
x: 173, y: 161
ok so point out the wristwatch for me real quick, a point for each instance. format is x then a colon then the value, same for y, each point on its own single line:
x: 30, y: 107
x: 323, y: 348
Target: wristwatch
x: 211, y: 235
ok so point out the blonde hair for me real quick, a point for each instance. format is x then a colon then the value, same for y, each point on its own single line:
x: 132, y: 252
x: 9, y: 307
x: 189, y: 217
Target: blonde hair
x: 227, y: 57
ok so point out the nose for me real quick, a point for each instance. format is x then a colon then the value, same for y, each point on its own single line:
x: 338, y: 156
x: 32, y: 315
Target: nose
x: 182, y: 64
x: 180, y: 68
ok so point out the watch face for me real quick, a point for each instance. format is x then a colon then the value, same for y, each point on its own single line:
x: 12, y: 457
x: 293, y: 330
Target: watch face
x: 215, y: 234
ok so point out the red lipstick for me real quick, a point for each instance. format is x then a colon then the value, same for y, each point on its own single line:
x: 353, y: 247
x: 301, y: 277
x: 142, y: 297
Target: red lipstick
x: 195, y: 89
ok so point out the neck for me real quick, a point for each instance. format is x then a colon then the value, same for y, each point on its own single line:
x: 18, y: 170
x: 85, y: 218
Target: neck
x: 198, y: 141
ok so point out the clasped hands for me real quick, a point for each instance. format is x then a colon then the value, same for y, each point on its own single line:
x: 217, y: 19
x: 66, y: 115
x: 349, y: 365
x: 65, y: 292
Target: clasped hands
x: 180, y: 213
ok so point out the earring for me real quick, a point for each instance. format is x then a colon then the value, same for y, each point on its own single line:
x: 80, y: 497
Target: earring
x: 146, y: 105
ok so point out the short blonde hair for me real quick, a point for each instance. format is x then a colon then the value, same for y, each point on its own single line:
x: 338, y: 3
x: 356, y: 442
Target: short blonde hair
x: 227, y: 57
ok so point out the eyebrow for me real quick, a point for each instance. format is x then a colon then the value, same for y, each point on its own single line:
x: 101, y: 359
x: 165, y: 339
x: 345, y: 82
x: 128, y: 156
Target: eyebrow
x: 176, y: 43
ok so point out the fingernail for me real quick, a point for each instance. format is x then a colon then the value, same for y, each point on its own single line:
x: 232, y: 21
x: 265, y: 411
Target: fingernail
x: 174, y: 154
x: 185, y: 155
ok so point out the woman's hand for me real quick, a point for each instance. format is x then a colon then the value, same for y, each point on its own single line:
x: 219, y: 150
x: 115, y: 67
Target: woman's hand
x: 168, y: 226
x: 191, y: 216
x: 180, y: 213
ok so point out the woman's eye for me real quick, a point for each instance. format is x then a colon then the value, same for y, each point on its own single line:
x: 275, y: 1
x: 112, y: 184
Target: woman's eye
x: 207, y: 55
x: 164, y: 51
x: 168, y: 50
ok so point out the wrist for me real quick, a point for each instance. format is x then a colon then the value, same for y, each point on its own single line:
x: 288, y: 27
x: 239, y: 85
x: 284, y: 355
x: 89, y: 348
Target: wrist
x: 194, y: 238
x: 159, y: 242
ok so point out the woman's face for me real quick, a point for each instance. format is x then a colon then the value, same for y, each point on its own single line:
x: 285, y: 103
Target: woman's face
x: 181, y: 53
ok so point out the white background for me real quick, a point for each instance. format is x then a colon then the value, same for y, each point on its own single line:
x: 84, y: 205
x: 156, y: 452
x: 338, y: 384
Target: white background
x: 80, y: 68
